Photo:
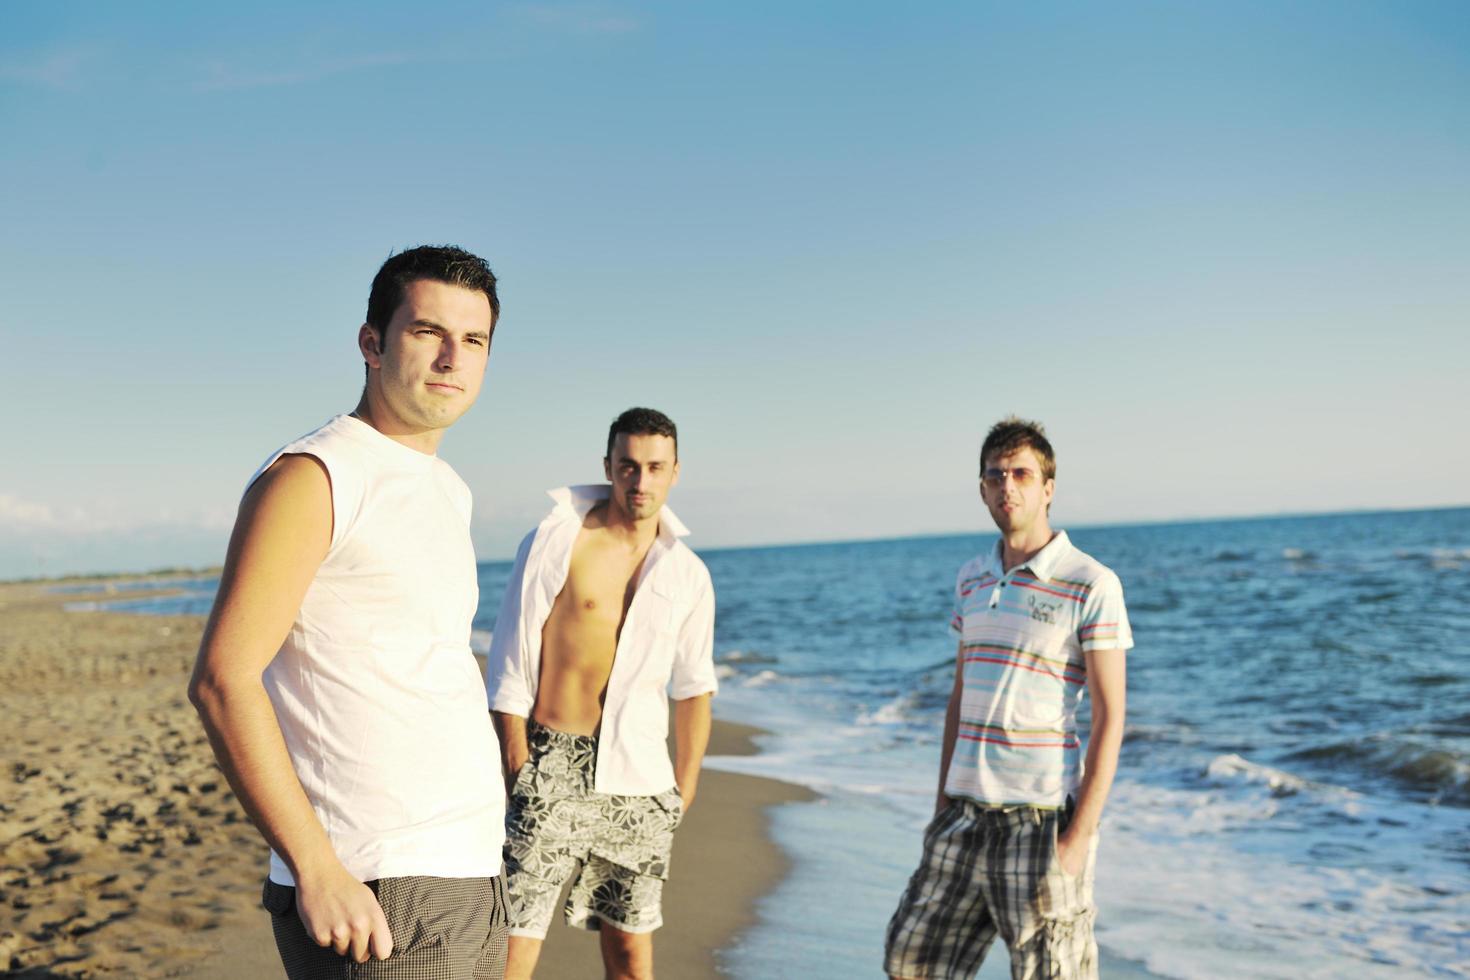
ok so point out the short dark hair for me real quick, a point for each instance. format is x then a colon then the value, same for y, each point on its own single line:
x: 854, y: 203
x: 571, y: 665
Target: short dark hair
x: 642, y: 422
x: 1012, y: 434
x: 438, y: 263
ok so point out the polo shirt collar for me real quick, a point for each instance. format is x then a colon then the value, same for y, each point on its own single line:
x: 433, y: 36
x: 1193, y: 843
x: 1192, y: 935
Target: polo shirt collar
x: 1041, y: 564
x: 581, y: 498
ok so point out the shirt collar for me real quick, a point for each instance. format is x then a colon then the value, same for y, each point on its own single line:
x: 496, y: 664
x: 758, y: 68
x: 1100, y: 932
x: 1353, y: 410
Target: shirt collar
x: 367, y: 435
x: 1041, y: 564
x: 581, y: 498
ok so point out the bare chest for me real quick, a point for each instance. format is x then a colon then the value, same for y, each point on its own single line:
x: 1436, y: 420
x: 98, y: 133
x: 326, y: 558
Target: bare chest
x: 600, y: 584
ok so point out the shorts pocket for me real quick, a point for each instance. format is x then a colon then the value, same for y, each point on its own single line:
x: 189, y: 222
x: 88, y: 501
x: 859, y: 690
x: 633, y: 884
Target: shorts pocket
x: 416, y: 950
x: 501, y: 916
x: 493, y: 951
x: 522, y: 777
x: 672, y: 804
x: 1057, y: 822
x: 940, y: 823
x: 277, y: 899
x: 402, y: 904
x: 1059, y: 827
x: 429, y: 958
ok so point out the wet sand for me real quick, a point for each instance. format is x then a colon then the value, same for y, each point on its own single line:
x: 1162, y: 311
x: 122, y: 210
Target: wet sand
x: 123, y: 852
x: 723, y: 862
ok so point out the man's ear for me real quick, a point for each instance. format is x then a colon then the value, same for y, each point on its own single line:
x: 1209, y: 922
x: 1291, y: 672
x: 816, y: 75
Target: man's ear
x: 370, y: 343
x: 607, y: 468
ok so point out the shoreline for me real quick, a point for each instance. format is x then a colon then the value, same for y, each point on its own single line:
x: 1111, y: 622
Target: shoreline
x: 123, y: 851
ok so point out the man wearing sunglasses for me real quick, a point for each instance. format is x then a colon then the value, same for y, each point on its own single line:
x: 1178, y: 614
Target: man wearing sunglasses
x: 1013, y: 842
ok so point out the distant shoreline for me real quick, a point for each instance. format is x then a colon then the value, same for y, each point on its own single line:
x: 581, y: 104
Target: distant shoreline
x: 162, y: 575
x: 977, y: 531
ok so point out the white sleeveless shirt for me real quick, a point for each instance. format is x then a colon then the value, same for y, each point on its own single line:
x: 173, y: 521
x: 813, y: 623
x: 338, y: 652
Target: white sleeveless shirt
x: 375, y: 688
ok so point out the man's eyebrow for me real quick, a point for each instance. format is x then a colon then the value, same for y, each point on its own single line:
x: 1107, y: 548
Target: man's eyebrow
x: 436, y: 325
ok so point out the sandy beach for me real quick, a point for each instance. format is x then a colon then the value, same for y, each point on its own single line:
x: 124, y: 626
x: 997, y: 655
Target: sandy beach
x: 124, y: 853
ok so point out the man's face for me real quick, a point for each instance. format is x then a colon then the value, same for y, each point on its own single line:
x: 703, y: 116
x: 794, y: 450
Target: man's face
x: 1014, y: 491
x: 642, y: 470
x: 433, y: 354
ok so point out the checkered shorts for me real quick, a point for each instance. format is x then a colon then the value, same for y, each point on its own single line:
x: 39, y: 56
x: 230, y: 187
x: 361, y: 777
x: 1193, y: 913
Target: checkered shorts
x: 988, y: 871
x: 555, y: 821
x: 443, y: 929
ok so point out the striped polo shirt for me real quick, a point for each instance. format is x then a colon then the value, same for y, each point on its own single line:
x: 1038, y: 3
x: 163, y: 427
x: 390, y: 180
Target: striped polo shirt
x: 1023, y: 636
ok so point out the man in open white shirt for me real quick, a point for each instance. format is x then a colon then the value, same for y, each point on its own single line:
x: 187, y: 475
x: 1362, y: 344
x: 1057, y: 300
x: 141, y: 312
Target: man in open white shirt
x: 605, y: 607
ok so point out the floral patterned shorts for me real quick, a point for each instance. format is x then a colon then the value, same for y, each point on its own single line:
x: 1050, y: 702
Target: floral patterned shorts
x: 555, y: 822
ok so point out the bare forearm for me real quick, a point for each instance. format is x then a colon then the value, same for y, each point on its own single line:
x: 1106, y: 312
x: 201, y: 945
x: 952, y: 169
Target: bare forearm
x: 951, y: 730
x: 1103, y: 746
x: 514, y: 749
x: 247, y: 741
x: 692, y: 722
x: 1107, y: 685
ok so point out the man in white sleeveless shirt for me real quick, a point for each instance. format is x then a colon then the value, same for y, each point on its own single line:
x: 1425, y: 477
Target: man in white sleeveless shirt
x: 335, y: 679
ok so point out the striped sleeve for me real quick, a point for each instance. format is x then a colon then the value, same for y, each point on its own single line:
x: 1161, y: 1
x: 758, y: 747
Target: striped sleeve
x: 957, y: 613
x: 1104, y: 623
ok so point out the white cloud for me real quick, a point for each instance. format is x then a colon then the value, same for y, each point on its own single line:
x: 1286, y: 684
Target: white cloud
x: 226, y: 77
x: 61, y: 68
x: 43, y: 539
x: 18, y: 513
x: 28, y: 517
x: 32, y: 517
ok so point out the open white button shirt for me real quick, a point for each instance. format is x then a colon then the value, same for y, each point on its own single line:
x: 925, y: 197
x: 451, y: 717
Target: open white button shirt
x: 668, y: 635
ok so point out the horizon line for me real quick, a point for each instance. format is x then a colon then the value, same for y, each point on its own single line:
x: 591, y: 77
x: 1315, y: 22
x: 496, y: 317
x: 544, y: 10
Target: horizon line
x: 1099, y: 525
x: 177, y: 571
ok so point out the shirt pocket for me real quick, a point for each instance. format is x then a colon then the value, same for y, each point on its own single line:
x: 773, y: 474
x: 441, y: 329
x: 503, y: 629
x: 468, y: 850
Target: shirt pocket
x: 666, y: 608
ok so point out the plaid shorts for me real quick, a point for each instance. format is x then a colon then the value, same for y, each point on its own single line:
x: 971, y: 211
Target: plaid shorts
x: 556, y: 821
x: 989, y: 870
x: 443, y: 929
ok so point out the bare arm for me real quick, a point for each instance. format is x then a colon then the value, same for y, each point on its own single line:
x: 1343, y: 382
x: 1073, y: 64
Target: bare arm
x: 511, y: 694
x: 951, y: 726
x: 514, y: 750
x: 281, y: 536
x: 1107, y: 686
x: 691, y: 738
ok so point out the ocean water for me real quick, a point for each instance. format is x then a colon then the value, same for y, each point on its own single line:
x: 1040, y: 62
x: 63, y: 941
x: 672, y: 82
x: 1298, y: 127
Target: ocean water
x: 1294, y: 791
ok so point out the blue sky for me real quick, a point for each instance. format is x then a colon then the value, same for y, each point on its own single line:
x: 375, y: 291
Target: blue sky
x: 1219, y: 249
